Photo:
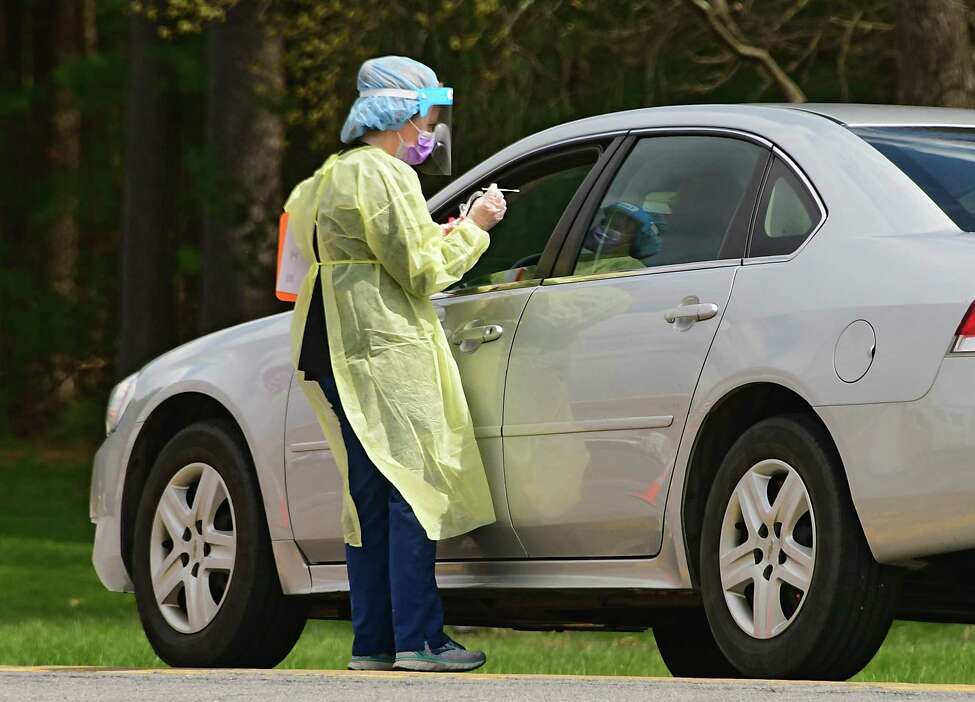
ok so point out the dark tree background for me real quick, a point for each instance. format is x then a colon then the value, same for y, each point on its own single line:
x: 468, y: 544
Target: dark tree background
x: 145, y: 258
x: 148, y: 145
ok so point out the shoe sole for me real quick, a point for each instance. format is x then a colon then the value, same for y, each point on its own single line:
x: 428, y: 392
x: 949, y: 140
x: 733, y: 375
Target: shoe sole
x: 369, y: 665
x: 425, y: 666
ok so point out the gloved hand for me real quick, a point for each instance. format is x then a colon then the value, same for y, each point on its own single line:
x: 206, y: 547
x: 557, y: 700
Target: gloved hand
x: 488, y: 209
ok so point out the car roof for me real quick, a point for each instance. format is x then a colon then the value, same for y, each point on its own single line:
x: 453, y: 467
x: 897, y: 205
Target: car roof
x: 857, y: 115
x: 847, y: 114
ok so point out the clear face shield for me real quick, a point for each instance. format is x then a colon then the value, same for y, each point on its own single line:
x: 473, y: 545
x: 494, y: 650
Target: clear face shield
x: 438, y: 162
x: 433, y: 120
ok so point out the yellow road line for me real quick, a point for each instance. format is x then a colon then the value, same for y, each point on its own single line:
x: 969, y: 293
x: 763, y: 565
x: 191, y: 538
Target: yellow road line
x: 394, y: 674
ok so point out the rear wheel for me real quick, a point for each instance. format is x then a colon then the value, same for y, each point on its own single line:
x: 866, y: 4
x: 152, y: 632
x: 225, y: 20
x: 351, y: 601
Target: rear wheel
x: 205, y: 581
x: 790, y: 587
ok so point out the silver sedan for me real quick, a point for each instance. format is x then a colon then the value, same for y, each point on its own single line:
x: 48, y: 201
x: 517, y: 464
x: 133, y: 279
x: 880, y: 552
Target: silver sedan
x: 719, y: 364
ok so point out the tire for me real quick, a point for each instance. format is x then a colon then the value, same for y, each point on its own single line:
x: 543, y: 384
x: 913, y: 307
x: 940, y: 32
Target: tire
x: 688, y: 648
x: 811, y: 537
x: 222, y: 604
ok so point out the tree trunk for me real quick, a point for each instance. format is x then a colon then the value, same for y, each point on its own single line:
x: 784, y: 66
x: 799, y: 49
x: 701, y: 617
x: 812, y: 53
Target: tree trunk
x: 65, y: 151
x: 146, y: 259
x: 246, y: 140
x: 44, y: 15
x: 12, y: 219
x: 15, y: 136
x: 934, y: 53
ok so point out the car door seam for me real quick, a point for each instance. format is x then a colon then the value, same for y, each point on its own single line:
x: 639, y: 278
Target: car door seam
x: 504, y: 395
x: 690, y: 405
x: 285, y: 455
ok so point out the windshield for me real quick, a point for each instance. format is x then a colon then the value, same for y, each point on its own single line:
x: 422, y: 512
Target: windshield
x: 940, y: 160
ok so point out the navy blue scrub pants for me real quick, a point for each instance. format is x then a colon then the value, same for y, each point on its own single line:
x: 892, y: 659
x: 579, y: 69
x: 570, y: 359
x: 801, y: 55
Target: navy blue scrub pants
x: 395, y: 602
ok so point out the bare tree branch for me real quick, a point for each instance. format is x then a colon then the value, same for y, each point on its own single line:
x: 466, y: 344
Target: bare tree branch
x: 716, y: 82
x: 764, y: 85
x: 722, y: 59
x: 787, y: 16
x: 719, y: 17
x: 810, y: 50
x: 512, y: 20
x: 865, y: 26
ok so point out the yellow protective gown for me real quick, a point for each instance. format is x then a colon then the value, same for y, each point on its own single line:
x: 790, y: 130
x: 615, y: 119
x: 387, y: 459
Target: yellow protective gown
x: 382, y: 256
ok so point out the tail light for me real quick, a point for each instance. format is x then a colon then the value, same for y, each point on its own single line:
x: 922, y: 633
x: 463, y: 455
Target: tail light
x: 965, y: 336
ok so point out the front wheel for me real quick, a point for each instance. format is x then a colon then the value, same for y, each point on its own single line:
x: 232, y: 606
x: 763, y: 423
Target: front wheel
x: 687, y: 646
x: 205, y: 581
x: 790, y: 587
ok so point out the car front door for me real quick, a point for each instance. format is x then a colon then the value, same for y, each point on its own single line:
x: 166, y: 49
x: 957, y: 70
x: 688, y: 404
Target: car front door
x: 479, y: 315
x: 610, y: 348
x: 481, y: 312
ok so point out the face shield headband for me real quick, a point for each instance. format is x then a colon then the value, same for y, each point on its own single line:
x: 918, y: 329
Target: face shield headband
x: 439, y: 160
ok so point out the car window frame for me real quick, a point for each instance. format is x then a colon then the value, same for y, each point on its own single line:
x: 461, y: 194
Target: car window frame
x: 811, y: 190
x: 565, y: 264
x: 608, y: 144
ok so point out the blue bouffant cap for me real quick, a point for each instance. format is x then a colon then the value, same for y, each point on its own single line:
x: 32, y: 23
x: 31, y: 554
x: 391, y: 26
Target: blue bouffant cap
x: 382, y: 112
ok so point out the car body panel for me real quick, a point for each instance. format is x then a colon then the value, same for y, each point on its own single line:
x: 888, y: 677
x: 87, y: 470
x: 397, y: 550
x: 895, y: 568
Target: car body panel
x: 107, y: 479
x: 784, y: 321
x: 313, y: 483
x: 482, y: 368
x: 591, y: 424
x: 662, y: 573
x: 248, y: 370
x: 914, y: 490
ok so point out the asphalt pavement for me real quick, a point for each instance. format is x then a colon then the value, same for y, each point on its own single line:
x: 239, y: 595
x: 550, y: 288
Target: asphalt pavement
x: 186, y: 685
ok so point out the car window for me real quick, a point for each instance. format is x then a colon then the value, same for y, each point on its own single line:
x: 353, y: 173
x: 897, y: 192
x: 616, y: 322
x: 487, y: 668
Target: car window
x: 546, y: 187
x: 787, y: 214
x: 676, y: 199
x: 940, y: 160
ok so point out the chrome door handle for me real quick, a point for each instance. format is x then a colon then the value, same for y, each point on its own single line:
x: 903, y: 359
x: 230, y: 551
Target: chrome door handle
x: 475, y: 331
x: 694, y: 313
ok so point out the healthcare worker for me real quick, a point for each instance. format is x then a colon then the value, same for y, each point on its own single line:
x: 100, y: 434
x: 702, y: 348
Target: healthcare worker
x: 373, y: 360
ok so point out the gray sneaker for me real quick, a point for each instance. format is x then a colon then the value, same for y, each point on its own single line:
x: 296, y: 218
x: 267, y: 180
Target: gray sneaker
x: 449, y: 657
x: 380, y: 661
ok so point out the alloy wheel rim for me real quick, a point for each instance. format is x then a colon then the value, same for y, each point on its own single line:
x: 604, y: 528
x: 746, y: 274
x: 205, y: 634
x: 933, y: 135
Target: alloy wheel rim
x: 193, y: 547
x: 767, y: 549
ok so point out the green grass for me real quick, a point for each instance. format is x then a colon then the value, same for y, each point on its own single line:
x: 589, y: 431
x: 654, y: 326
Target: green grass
x: 54, y: 611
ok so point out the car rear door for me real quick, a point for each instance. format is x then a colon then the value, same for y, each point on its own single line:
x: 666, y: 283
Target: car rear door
x: 479, y: 314
x: 610, y: 348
